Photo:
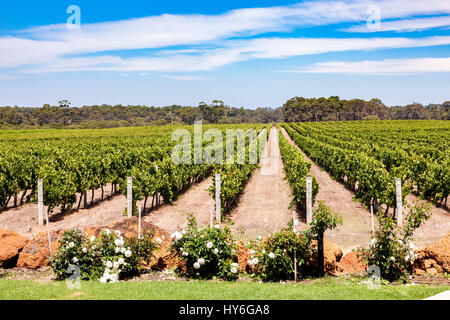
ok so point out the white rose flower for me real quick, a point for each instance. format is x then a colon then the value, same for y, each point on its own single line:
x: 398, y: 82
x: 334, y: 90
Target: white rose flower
x: 114, y: 277
x: 117, y: 250
x: 183, y: 232
x: 116, y: 265
x: 250, y: 262
x: 121, y: 261
x: 71, y: 245
x: 392, y: 258
x: 123, y: 250
x: 103, y: 280
x: 411, y: 245
x: 234, y: 264
x: 216, y: 251
x: 263, y: 251
x: 128, y: 253
x: 75, y: 259
x: 92, y: 238
x: 255, y: 261
x: 217, y: 226
x: 158, y: 241
x: 258, y: 237
x: 109, y: 264
x: 118, y: 243
x: 201, y: 261
x: 107, y: 231
x: 252, y: 252
x: 185, y: 253
x: 234, y: 270
x: 407, y: 258
x: 400, y: 241
x: 373, y: 242
x: 209, y: 245
x: 197, y: 265
x: 271, y: 255
x: 117, y: 233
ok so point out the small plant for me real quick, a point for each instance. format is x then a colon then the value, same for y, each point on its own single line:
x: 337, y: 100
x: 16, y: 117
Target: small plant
x: 323, y: 219
x: 272, y: 259
x: 209, y: 252
x: 105, y: 258
x: 391, y: 247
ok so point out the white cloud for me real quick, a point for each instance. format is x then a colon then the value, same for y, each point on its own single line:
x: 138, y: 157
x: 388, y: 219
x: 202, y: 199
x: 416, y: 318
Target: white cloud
x: 54, y: 48
x: 233, y: 51
x: 406, y: 25
x: 182, y: 78
x: 388, y: 66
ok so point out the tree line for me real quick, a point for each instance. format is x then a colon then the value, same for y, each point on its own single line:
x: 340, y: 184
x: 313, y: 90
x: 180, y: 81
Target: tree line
x: 297, y: 109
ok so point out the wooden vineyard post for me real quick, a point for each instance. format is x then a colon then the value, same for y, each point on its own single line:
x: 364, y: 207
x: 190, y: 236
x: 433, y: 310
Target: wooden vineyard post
x: 308, y: 200
x: 40, y: 202
x: 371, y: 217
x: 218, y: 203
x: 139, y: 226
x: 130, y: 196
x: 398, y: 196
x: 211, y: 215
x: 294, y: 223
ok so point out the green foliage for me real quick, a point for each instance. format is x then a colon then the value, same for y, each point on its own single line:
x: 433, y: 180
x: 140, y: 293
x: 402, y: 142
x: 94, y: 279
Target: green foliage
x: 324, y: 219
x: 209, y: 252
x: 273, y: 258
x: 297, y: 169
x: 391, y: 248
x: 108, y: 257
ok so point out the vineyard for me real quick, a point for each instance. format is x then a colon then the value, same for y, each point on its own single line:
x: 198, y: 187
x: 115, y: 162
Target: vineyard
x: 264, y: 171
x: 369, y: 156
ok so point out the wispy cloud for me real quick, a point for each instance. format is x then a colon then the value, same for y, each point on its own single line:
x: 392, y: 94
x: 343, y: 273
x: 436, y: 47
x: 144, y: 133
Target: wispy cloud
x: 406, y: 25
x: 387, y: 66
x: 233, y: 51
x: 224, y: 38
x: 182, y: 78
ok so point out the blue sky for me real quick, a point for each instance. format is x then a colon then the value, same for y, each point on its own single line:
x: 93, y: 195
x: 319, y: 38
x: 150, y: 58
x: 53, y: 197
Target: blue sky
x: 246, y: 53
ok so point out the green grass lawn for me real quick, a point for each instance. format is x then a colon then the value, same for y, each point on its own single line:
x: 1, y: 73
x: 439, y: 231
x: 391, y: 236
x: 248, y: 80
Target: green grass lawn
x: 328, y: 288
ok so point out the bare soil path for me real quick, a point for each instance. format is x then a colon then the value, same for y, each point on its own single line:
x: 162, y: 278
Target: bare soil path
x: 433, y: 229
x: 196, y: 201
x: 24, y: 220
x: 264, y: 203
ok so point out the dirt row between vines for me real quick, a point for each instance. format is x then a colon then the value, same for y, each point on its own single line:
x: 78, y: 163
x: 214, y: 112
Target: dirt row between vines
x: 264, y: 204
x: 195, y: 200
x: 357, y: 221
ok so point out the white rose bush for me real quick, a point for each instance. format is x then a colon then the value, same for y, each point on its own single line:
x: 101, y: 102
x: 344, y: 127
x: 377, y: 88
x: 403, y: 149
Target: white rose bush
x: 209, y: 252
x: 271, y: 259
x: 106, y: 258
x: 391, y: 248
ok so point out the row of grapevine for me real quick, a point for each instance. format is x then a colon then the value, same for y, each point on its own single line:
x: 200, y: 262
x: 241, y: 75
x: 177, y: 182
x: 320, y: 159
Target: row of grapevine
x: 296, y: 168
x: 235, y: 175
x: 367, y: 176
x: 419, y: 155
x: 73, y: 162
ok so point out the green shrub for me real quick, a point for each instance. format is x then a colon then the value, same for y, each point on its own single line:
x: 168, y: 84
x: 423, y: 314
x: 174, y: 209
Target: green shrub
x: 272, y: 259
x: 108, y: 257
x: 391, y: 247
x: 209, y: 252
